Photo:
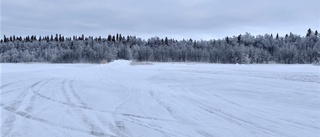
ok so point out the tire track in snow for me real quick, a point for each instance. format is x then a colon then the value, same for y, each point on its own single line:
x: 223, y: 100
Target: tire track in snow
x: 245, y: 124
x: 236, y: 107
x: 94, y: 129
x: 68, y: 104
x: 32, y: 99
x: 7, y: 125
x: 65, y: 94
x: 14, y: 90
x: 71, y: 105
x: 270, y: 75
x: 17, y: 102
x: 166, y: 107
x: 170, y: 111
x: 135, y: 119
x: 108, y: 124
x: 13, y: 107
x: 13, y: 113
x: 300, y: 124
x: 8, y: 84
x: 37, y: 93
x: 243, y: 107
x: 203, y: 133
x: 76, y: 96
x: 147, y: 117
x: 140, y: 123
x: 122, y: 129
x: 40, y: 120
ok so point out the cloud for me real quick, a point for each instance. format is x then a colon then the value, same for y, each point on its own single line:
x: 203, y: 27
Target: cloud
x: 199, y: 19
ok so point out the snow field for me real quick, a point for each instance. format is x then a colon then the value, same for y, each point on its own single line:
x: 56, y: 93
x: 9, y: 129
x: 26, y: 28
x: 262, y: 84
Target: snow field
x: 160, y: 99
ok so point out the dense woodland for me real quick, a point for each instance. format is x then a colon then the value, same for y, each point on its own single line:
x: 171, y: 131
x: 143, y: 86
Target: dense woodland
x: 244, y: 48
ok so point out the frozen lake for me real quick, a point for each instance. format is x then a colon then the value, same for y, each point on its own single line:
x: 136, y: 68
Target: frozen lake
x: 163, y: 99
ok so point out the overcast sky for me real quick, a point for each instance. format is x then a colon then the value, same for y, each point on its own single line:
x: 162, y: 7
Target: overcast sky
x: 197, y: 19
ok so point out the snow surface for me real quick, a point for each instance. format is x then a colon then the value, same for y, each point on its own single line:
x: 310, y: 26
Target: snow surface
x: 162, y: 99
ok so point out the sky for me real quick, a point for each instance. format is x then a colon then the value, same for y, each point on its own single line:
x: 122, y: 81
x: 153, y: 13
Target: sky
x: 197, y: 19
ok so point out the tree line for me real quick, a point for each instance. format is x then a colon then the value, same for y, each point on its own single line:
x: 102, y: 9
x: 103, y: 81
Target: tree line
x: 244, y: 49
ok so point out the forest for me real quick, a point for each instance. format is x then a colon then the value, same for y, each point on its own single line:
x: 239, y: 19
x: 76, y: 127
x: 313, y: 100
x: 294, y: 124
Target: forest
x: 242, y: 49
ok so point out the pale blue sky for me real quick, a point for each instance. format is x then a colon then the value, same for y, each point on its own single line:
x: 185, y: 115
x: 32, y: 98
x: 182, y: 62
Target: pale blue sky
x: 198, y: 19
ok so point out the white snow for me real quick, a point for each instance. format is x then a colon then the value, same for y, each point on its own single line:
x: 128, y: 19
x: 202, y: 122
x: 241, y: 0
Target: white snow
x: 161, y: 99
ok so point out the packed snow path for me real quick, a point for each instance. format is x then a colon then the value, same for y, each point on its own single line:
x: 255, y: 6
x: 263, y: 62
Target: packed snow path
x: 159, y: 100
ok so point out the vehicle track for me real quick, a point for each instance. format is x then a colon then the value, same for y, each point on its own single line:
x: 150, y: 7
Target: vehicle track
x: 35, y: 89
x: 32, y: 99
x: 13, y: 107
x: 8, y: 84
x: 7, y: 126
x: 14, y: 90
x: 76, y: 96
x: 14, y: 114
x: 245, y: 124
x: 71, y: 98
x: 118, y: 120
x: 17, y: 102
x: 140, y: 123
x: 271, y: 75
x: 165, y: 106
